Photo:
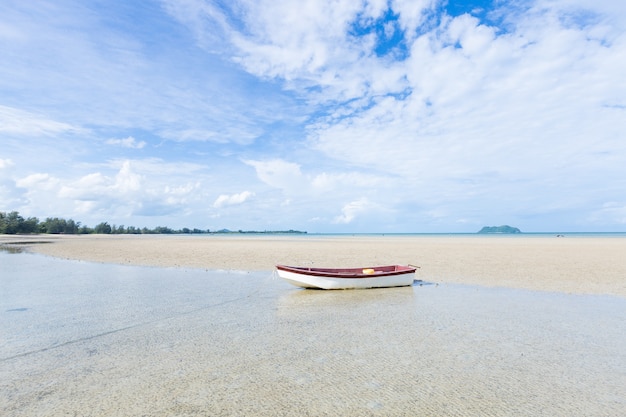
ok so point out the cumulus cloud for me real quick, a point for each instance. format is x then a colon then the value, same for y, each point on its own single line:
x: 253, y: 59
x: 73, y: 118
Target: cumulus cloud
x: 97, y: 186
x: 130, y: 190
x: 40, y: 181
x: 232, y: 199
x: 351, y: 210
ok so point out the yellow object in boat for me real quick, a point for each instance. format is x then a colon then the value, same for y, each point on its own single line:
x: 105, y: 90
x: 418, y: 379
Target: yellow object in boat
x: 368, y: 271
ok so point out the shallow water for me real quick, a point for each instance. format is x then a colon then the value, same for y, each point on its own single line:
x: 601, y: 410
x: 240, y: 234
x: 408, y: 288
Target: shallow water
x: 96, y: 340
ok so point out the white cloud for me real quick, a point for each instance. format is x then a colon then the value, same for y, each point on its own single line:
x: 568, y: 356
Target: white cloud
x: 517, y: 112
x: 292, y: 40
x: 6, y: 163
x: 127, y: 181
x: 129, y: 142
x: 491, y: 104
x: 133, y: 188
x: 351, y: 210
x: 304, y: 43
x: 233, y: 199
x: 39, y: 181
x: 279, y: 174
x: 19, y: 122
x: 96, y: 186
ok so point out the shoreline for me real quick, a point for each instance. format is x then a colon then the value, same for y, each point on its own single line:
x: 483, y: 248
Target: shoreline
x: 581, y: 265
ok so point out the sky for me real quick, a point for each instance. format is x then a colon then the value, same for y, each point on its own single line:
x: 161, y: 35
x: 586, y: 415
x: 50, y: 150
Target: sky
x: 325, y: 116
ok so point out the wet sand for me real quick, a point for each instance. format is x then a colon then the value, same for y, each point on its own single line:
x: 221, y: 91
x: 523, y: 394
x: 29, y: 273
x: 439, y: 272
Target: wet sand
x: 89, y: 339
x: 580, y: 265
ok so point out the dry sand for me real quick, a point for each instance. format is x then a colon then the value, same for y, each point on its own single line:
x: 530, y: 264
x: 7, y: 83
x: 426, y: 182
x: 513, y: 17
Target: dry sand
x: 582, y: 265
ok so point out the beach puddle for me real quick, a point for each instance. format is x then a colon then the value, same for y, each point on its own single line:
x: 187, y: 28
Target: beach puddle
x: 96, y: 339
x: 19, y: 246
x: 7, y: 248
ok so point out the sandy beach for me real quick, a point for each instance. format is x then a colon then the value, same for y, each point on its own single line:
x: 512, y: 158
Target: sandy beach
x: 199, y: 326
x: 579, y: 265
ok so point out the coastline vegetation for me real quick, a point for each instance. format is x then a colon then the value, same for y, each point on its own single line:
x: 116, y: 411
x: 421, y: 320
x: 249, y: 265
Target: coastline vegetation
x: 13, y: 223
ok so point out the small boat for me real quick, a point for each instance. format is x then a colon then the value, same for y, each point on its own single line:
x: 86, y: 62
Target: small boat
x: 347, y: 278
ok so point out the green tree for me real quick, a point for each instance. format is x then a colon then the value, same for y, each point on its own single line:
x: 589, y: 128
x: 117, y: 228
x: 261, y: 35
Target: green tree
x: 13, y: 223
x: 3, y: 223
x: 118, y: 230
x: 53, y: 225
x: 103, y: 228
x: 163, y: 230
x: 31, y: 225
x: 84, y: 230
x: 71, y: 227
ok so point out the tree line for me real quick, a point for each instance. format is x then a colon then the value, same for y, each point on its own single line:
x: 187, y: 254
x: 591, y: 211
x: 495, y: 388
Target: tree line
x: 12, y: 223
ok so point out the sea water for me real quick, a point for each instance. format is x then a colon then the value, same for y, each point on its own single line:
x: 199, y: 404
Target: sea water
x: 90, y: 339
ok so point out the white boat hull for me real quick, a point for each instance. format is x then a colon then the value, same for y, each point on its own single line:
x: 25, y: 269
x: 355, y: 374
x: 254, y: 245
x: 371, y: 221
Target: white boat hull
x: 335, y: 283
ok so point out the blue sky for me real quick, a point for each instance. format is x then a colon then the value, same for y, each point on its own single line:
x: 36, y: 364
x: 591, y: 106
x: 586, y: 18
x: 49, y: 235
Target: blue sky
x: 317, y: 115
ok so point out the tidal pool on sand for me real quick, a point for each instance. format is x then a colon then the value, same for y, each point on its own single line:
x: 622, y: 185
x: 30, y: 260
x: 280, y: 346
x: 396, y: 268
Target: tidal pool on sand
x: 97, y: 339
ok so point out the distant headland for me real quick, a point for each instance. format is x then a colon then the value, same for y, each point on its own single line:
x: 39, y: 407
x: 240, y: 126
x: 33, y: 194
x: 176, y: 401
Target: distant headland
x: 269, y: 232
x: 499, y: 229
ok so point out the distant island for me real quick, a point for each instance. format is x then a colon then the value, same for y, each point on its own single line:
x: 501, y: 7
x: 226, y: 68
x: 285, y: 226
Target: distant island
x: 499, y: 229
x: 13, y: 223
